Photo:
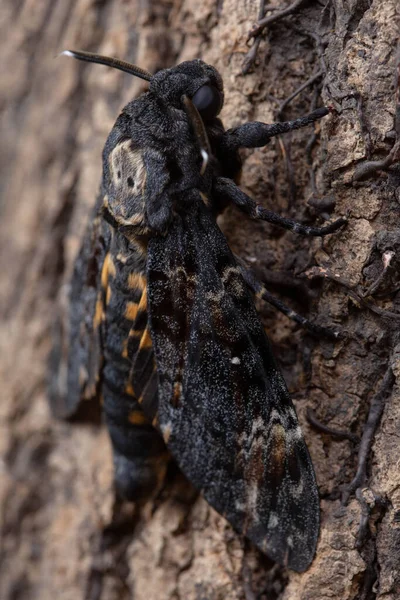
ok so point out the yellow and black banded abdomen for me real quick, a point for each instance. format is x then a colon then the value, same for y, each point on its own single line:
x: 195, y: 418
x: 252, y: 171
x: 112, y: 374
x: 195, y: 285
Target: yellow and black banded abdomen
x: 140, y: 455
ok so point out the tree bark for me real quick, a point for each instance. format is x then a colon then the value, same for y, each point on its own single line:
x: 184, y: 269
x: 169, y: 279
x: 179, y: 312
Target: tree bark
x: 63, y: 536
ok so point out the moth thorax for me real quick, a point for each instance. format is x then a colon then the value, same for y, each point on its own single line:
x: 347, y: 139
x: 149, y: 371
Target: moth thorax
x: 127, y: 182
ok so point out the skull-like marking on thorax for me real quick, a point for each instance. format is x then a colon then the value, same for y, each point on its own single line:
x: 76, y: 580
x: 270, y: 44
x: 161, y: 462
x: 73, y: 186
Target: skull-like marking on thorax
x: 128, y: 181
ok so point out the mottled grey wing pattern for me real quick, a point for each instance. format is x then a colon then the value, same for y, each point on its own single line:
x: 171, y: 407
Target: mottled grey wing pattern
x: 76, y: 356
x: 224, y: 410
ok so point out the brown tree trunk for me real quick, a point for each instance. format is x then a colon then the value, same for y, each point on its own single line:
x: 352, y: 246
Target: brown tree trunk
x: 56, y: 493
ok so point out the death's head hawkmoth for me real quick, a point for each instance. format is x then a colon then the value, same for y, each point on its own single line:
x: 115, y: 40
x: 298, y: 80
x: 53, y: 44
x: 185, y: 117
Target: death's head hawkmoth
x: 162, y: 324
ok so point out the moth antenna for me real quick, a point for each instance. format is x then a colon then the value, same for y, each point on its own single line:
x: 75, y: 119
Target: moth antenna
x: 109, y: 61
x: 205, y: 157
x: 200, y: 131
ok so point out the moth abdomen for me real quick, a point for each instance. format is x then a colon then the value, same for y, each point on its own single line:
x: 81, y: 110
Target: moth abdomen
x: 139, y: 453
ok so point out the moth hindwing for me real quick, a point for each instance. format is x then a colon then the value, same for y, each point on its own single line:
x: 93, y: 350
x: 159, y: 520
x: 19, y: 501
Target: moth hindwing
x: 186, y: 366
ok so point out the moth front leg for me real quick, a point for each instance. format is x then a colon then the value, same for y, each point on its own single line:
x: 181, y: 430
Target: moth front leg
x: 256, y: 134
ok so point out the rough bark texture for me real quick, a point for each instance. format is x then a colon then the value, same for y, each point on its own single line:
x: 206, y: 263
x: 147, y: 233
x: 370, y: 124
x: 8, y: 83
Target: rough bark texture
x: 56, y: 493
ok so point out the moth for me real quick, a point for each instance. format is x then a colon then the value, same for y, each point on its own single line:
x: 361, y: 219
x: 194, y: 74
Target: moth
x: 162, y: 327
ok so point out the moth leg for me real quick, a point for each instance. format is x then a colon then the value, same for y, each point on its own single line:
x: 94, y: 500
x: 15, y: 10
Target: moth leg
x: 256, y: 134
x: 325, y: 273
x: 373, y: 420
x: 261, y: 292
x: 335, y: 433
x: 227, y: 190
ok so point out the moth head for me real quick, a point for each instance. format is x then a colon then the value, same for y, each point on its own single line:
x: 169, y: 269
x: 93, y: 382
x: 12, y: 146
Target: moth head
x: 193, y: 79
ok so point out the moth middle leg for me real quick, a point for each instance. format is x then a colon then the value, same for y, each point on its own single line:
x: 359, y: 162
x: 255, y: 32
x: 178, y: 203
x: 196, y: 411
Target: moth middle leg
x: 228, y: 191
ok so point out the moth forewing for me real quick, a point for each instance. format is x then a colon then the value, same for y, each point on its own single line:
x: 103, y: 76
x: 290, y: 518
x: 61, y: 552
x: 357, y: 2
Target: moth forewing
x: 220, y: 388
x: 77, y: 354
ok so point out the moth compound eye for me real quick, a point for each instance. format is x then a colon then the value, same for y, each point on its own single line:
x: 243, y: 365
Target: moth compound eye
x: 208, y: 101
